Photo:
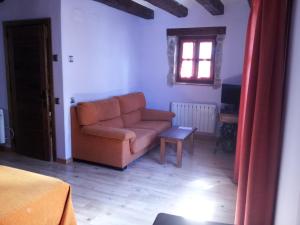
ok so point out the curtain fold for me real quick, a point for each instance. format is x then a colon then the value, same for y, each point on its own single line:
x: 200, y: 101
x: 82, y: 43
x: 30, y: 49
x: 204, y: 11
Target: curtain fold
x: 259, y: 133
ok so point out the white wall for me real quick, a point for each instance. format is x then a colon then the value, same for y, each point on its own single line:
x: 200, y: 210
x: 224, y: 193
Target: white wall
x: 31, y: 9
x: 153, y: 52
x: 288, y: 202
x: 103, y: 42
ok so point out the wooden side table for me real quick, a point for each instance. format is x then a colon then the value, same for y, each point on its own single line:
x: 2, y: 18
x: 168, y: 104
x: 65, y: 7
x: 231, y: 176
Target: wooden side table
x: 228, y: 131
x: 176, y: 135
x: 229, y: 118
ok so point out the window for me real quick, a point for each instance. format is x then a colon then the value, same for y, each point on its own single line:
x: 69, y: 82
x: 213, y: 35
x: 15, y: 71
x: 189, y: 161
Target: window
x: 195, y: 55
x: 196, y: 60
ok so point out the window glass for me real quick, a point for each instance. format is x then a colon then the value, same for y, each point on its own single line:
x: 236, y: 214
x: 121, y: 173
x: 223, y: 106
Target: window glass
x: 186, y: 69
x: 188, y: 50
x: 204, y: 68
x: 205, y: 50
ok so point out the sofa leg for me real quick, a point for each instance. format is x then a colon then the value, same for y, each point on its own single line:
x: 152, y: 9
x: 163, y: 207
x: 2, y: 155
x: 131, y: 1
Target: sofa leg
x: 124, y: 168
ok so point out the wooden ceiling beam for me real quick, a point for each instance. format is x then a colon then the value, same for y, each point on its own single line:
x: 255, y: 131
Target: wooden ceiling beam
x: 215, y: 7
x: 195, y: 31
x: 130, y: 7
x: 171, y: 6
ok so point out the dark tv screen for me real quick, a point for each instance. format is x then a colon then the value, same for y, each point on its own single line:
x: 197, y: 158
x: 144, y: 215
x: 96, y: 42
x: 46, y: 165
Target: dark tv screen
x: 231, y: 94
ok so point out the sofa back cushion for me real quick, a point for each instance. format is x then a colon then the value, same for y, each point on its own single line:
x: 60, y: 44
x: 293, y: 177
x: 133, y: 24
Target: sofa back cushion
x: 132, y: 102
x: 131, y: 118
x: 92, y: 112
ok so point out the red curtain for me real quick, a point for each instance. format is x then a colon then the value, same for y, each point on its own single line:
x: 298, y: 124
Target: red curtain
x: 259, y: 133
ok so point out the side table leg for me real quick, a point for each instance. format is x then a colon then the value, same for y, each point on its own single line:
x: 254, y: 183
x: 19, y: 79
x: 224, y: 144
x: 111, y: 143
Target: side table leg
x: 162, y: 150
x: 179, y: 153
x: 192, y: 143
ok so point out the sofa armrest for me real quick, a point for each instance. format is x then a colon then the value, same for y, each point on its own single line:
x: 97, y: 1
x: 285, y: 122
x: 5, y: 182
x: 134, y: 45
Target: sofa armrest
x: 151, y: 114
x: 109, y: 132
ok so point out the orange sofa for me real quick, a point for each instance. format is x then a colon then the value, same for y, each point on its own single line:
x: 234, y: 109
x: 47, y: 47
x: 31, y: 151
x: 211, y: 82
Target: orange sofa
x: 117, y: 130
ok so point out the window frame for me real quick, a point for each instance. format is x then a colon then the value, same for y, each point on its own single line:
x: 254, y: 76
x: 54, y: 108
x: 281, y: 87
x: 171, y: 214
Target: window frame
x: 196, y: 39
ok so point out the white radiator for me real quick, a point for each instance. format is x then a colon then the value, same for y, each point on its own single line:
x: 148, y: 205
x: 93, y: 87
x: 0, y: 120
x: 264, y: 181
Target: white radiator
x: 2, y: 127
x: 201, y: 116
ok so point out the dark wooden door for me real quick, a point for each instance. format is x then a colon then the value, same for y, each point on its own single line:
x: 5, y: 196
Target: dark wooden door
x: 28, y: 48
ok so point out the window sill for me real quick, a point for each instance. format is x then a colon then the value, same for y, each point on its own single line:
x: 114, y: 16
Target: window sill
x: 196, y: 84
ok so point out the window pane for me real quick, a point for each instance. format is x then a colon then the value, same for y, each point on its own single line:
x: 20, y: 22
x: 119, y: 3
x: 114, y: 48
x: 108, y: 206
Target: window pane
x: 205, y: 50
x: 204, y: 68
x: 188, y: 50
x: 186, y: 69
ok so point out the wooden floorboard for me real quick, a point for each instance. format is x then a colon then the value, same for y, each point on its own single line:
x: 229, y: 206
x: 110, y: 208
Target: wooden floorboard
x: 201, y: 190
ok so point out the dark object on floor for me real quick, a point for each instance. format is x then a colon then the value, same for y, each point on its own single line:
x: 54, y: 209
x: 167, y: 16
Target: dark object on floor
x: 167, y: 219
x: 227, y: 139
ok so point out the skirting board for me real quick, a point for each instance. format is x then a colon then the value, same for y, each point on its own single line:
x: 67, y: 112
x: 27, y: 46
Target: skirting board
x: 64, y: 161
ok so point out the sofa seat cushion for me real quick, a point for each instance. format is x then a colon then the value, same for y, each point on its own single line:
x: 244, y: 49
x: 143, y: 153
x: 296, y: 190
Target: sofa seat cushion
x: 109, y: 132
x: 143, y: 139
x: 157, y: 126
x: 116, y: 123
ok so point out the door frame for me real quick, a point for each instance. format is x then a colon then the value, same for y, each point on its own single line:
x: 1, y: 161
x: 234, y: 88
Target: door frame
x: 47, y: 23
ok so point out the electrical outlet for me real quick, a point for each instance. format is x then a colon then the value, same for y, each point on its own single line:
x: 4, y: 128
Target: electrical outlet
x: 55, y: 58
x: 71, y: 58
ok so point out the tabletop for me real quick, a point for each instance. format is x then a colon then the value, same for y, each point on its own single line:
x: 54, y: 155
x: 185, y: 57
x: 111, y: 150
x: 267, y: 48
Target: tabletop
x: 178, y: 133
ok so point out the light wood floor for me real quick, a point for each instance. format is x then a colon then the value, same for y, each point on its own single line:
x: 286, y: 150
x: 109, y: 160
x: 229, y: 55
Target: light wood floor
x: 200, y: 190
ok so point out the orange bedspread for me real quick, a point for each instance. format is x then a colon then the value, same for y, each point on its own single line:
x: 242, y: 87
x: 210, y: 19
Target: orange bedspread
x: 31, y: 199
